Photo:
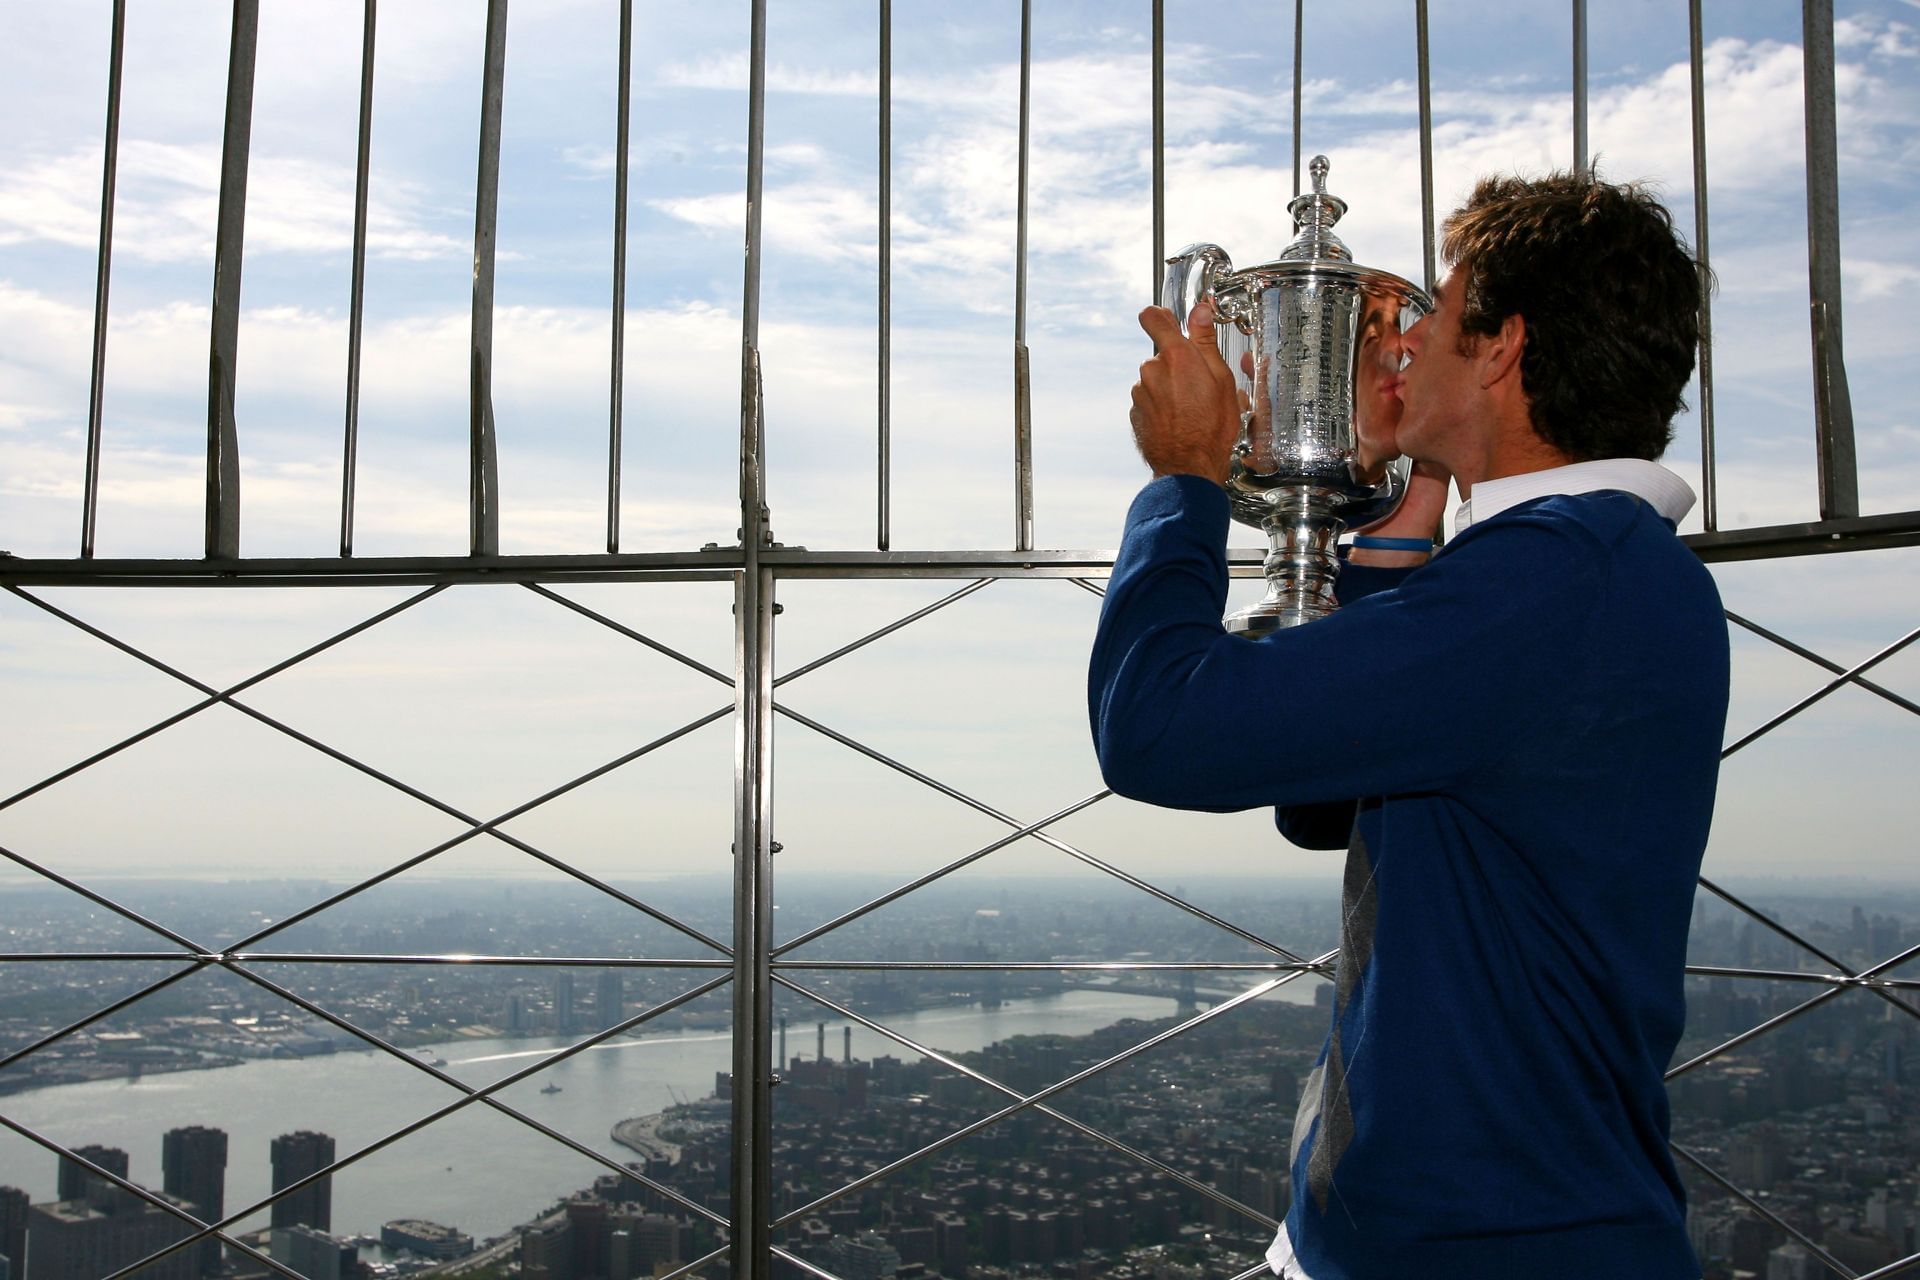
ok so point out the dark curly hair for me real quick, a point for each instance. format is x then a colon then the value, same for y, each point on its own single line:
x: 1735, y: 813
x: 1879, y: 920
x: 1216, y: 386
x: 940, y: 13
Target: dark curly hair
x: 1611, y: 299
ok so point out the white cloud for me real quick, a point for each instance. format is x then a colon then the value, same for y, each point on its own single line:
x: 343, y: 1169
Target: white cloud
x: 167, y: 201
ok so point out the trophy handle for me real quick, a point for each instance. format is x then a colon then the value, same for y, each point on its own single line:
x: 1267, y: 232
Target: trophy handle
x: 1190, y: 276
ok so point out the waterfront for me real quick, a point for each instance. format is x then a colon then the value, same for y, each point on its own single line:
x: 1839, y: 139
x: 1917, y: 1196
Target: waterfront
x: 476, y: 1170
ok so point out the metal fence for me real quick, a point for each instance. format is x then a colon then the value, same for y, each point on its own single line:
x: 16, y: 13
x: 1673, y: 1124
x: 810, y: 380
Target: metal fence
x: 749, y: 963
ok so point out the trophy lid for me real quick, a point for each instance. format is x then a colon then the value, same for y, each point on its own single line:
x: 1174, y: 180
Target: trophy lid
x: 1313, y: 217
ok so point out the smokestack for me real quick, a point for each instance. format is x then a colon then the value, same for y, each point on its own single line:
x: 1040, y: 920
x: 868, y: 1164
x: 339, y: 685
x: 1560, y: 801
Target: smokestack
x: 846, y: 1046
x: 820, y: 1046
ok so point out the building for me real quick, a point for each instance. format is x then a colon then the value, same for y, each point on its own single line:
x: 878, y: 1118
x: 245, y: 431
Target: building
x: 546, y: 1252
x: 89, y: 1238
x: 863, y: 1257
x: 13, y: 1229
x: 75, y: 1180
x: 193, y: 1166
x: 610, y: 997
x: 295, y: 1156
x: 563, y: 1002
x: 314, y: 1254
x: 427, y: 1239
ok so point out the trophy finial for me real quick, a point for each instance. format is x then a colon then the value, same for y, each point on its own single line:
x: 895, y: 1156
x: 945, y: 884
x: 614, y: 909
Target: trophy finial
x: 1314, y: 214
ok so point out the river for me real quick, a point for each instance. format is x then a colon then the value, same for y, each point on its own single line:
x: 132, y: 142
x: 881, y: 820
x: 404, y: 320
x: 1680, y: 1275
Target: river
x: 476, y: 1169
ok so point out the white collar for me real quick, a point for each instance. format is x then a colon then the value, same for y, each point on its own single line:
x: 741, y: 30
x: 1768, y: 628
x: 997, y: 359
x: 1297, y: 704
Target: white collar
x: 1664, y: 491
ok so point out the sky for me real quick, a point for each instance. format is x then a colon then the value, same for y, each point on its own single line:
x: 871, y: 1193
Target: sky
x: 486, y: 697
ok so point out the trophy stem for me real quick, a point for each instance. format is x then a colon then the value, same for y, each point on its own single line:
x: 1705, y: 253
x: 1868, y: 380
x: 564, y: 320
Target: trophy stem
x: 1301, y: 565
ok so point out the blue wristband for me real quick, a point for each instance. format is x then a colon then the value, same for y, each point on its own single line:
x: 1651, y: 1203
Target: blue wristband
x: 1367, y: 542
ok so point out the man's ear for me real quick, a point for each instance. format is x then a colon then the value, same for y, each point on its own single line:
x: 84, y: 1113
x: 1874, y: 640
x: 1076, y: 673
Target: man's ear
x: 1500, y: 352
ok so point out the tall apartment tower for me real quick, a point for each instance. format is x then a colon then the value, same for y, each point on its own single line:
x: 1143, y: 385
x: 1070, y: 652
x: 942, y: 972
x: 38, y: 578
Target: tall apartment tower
x: 563, y: 1002
x: 13, y: 1230
x: 193, y: 1162
x: 75, y: 1180
x: 295, y: 1155
x: 610, y: 997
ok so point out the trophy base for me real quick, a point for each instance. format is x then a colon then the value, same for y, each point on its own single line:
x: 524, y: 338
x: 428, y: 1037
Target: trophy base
x: 1300, y: 564
x: 1269, y: 616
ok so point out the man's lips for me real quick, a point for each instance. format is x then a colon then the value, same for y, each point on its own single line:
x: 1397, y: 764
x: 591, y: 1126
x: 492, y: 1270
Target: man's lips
x: 1395, y: 386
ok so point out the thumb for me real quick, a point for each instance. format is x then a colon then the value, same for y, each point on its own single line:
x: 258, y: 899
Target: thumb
x: 1200, y: 322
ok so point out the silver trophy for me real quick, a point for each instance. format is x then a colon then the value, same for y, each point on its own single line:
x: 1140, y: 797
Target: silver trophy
x: 1313, y: 339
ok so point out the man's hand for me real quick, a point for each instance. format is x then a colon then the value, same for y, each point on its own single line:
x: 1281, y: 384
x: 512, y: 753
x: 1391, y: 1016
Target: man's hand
x: 1186, y: 407
x: 1417, y: 516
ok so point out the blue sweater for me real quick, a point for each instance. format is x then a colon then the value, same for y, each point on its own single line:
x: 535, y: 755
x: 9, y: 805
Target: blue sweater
x: 1518, y: 744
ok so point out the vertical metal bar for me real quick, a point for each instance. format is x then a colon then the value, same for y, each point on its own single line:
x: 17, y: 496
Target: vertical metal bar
x: 356, y: 304
x: 103, y: 267
x: 1022, y: 376
x: 618, y: 376
x: 483, y: 512
x: 223, y: 451
x: 1299, y: 27
x: 751, y: 1176
x: 1709, y: 483
x: 1423, y: 56
x: 1832, y: 405
x: 1159, y: 149
x: 885, y: 356
x: 1582, y: 157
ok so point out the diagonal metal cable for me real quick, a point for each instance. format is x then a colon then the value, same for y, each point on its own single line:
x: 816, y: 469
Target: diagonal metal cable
x: 1798, y: 975
x: 1805, y: 1006
x: 1022, y: 1104
x: 953, y: 597
x: 1133, y: 1153
x: 1054, y: 842
x: 690, y: 1268
x: 153, y: 1201
x: 412, y: 792
x: 893, y: 895
x: 459, y: 1104
x: 493, y: 1103
x: 213, y: 698
x: 1844, y: 678
x: 1901, y: 1267
x: 1826, y: 1258
x: 198, y: 954
x: 812, y: 1269
x: 639, y: 637
x: 1846, y: 970
x: 865, y: 640
x: 126, y: 1001
x: 1905, y: 704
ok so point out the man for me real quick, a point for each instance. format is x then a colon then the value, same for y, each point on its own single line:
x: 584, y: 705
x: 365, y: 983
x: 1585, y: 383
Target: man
x: 1517, y: 740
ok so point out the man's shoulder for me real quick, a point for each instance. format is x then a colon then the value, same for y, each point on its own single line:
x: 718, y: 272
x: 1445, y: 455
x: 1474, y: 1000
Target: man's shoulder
x: 1606, y: 522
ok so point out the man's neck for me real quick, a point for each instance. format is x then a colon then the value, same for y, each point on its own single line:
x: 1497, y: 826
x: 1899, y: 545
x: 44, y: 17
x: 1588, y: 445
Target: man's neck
x: 1512, y: 449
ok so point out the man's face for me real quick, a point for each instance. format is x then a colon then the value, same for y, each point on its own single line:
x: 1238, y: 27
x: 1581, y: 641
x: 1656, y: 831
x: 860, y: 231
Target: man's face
x: 1439, y: 388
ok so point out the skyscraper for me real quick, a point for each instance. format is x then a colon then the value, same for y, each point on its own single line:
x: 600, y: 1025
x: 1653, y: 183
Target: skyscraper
x: 563, y: 1002
x: 193, y: 1162
x: 295, y: 1155
x: 13, y: 1229
x: 610, y: 997
x: 75, y: 1180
